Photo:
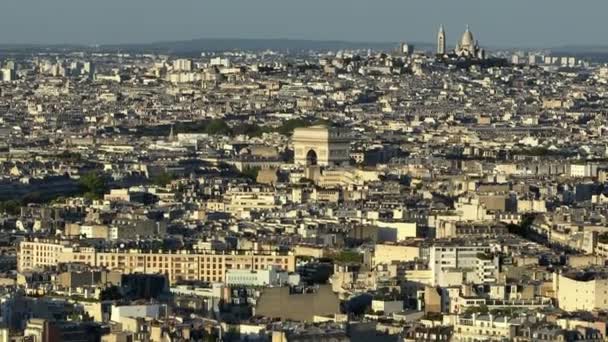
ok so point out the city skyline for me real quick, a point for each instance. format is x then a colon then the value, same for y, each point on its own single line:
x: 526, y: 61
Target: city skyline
x: 513, y: 24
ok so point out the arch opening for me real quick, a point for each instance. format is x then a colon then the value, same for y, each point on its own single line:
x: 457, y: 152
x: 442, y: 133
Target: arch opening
x: 311, y: 158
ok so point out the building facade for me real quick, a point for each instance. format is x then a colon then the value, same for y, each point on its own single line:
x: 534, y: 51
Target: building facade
x: 577, y: 291
x: 178, y: 266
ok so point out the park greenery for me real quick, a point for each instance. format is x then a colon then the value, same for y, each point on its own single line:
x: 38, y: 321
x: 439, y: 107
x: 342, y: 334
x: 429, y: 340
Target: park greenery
x: 221, y: 127
x: 162, y: 179
x: 11, y: 207
x: 348, y: 257
x: 93, y: 185
x: 67, y: 156
x: 251, y: 173
x: 540, y: 151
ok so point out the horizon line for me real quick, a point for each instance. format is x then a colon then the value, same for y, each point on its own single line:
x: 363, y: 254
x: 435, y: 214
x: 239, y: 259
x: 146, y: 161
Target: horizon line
x: 286, y: 39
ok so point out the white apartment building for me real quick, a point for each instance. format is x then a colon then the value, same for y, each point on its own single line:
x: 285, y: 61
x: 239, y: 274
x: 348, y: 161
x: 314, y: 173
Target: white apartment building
x: 268, y: 277
x: 453, y: 264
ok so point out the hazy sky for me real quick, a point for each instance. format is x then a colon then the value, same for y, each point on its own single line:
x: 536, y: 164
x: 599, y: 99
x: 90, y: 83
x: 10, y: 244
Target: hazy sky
x: 495, y: 22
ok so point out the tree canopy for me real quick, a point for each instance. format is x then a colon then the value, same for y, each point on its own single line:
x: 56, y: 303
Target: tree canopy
x: 162, y: 179
x: 11, y: 207
x: 348, y: 257
x: 93, y: 185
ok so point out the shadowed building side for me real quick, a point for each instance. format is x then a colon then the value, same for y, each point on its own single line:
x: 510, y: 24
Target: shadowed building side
x: 278, y: 302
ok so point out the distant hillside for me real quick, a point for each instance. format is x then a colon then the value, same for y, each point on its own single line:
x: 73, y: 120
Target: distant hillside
x: 581, y: 48
x: 217, y: 44
x: 196, y: 46
x: 594, y: 53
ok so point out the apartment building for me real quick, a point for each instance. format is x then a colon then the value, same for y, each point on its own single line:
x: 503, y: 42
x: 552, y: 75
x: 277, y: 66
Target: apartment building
x: 451, y: 264
x: 238, y: 202
x: 181, y: 265
x: 584, y: 290
x: 484, y: 328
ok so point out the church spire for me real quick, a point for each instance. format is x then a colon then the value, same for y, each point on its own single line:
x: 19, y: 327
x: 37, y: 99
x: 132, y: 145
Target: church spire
x: 441, y: 41
x: 171, y: 134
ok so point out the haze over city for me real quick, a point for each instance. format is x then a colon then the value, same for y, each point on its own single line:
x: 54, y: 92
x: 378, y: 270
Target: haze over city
x: 515, y: 23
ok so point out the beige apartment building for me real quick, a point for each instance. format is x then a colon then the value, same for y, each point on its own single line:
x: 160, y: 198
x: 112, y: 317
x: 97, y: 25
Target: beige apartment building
x: 389, y: 253
x: 182, y: 265
x: 237, y: 202
x: 581, y: 291
x: 484, y: 328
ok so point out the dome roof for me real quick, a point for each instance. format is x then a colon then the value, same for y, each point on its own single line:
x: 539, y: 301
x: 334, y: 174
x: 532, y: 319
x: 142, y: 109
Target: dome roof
x: 467, y: 39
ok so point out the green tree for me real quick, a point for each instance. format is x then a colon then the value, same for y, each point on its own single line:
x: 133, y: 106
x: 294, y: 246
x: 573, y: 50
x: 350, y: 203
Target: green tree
x: 323, y: 122
x: 218, y: 127
x: 70, y: 156
x: 288, y: 126
x: 93, y: 185
x: 162, y: 179
x: 11, y: 207
x: 251, y: 173
x: 482, y: 309
x: 210, y: 337
x: 348, y: 257
x: 251, y: 130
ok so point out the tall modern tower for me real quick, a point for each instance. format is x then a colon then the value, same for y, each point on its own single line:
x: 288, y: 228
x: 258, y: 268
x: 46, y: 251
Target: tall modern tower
x: 441, y: 41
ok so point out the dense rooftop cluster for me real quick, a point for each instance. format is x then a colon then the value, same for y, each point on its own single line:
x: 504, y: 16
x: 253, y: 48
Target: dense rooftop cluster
x: 317, y: 196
